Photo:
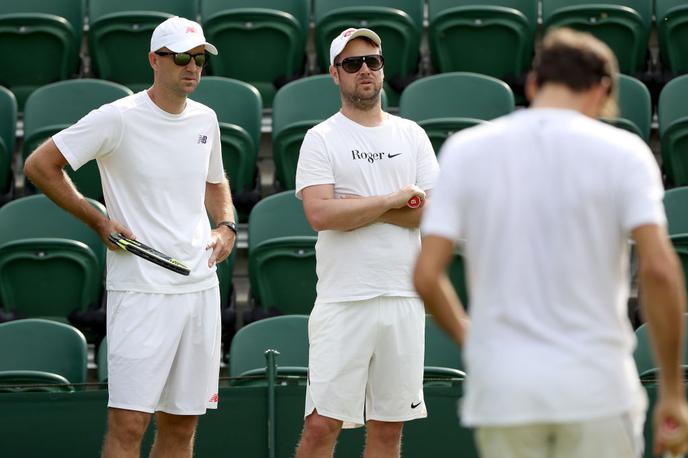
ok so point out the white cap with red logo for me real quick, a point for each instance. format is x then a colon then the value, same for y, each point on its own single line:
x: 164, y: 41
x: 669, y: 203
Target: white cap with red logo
x: 339, y: 43
x: 179, y: 35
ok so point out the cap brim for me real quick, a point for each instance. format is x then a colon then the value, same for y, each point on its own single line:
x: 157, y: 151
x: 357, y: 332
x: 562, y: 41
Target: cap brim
x: 184, y: 46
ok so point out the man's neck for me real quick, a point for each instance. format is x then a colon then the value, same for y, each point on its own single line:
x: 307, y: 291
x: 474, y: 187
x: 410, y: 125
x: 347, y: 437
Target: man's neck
x: 557, y: 96
x: 171, y: 103
x: 368, y: 118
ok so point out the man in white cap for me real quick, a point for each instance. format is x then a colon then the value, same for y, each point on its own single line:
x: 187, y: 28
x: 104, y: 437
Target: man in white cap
x: 161, y: 168
x: 357, y: 170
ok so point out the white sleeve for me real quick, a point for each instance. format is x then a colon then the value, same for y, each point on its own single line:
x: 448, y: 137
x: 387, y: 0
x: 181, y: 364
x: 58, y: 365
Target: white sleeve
x: 95, y: 135
x: 216, y: 172
x: 314, y: 165
x: 442, y: 217
x: 427, y: 166
x: 641, y: 190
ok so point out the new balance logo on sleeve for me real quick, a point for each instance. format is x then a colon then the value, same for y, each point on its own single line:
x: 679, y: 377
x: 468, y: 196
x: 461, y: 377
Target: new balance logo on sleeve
x: 202, y: 139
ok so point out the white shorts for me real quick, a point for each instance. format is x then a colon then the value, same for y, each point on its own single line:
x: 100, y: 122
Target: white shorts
x: 367, y: 355
x: 618, y: 436
x: 164, y: 351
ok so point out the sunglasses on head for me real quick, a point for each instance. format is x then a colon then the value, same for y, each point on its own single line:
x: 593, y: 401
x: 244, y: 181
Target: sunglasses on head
x: 354, y: 64
x: 183, y: 58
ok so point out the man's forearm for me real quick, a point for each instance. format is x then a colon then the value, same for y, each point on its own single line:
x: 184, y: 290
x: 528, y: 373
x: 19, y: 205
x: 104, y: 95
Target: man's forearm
x: 663, y: 301
x: 218, y: 201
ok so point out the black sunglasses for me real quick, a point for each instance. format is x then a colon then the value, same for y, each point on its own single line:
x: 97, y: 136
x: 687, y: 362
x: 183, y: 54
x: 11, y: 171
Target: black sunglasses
x: 354, y: 64
x: 183, y: 58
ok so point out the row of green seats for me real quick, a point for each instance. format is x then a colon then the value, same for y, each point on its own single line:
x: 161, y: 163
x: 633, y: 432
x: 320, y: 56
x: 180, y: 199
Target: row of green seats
x: 264, y: 42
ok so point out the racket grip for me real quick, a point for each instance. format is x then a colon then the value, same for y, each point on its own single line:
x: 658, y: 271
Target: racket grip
x: 414, y: 202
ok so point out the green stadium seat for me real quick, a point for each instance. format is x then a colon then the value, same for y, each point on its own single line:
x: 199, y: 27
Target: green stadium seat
x: 680, y: 243
x: 8, y: 129
x: 635, y: 107
x: 505, y: 30
x: 443, y: 360
x: 75, y: 99
x: 431, y: 102
x: 44, y: 38
x: 623, y: 24
x: 676, y: 207
x: 44, y: 346
x: 398, y: 23
x: 281, y: 255
x: 673, y: 130
x: 51, y: 264
x: 643, y: 356
x: 119, y: 36
x: 672, y: 34
x: 225, y: 274
x: 458, y: 275
x: 295, y: 110
x: 101, y: 361
x: 239, y: 108
x: 287, y: 334
x: 261, y: 42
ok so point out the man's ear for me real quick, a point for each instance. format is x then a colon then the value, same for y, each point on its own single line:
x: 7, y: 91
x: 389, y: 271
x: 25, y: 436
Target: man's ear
x: 153, y: 60
x: 334, y: 74
x: 531, y: 87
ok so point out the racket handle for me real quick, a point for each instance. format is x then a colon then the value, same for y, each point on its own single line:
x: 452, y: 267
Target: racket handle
x: 414, y: 202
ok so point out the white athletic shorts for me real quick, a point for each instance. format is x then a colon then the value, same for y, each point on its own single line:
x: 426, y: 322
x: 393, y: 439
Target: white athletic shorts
x: 163, y: 351
x: 366, y: 360
x: 617, y: 436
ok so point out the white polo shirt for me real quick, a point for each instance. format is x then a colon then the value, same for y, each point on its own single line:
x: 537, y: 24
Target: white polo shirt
x: 377, y: 259
x: 545, y: 200
x: 154, y: 167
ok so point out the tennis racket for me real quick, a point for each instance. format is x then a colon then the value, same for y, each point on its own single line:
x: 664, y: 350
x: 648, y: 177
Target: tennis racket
x: 148, y: 253
x: 414, y: 202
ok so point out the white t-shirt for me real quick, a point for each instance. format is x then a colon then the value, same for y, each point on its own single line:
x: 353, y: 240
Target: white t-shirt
x: 154, y: 167
x: 375, y: 260
x: 545, y: 200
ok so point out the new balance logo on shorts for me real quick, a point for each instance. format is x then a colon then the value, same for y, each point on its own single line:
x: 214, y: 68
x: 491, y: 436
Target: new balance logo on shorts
x: 214, y: 398
x: 371, y: 157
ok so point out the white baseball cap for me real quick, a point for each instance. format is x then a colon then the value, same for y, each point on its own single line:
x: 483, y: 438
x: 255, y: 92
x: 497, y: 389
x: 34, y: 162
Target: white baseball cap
x: 179, y: 35
x: 339, y: 43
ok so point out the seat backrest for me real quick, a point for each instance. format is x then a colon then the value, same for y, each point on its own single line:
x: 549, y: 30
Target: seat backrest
x: 482, y: 97
x: 75, y: 99
x: 296, y: 102
x: 440, y: 349
x: 671, y: 32
x: 8, y: 119
x: 44, y: 345
x: 414, y: 8
x: 676, y: 207
x: 183, y: 8
x: 643, y: 7
x: 672, y: 104
x: 234, y: 101
x: 635, y: 104
x: 300, y: 9
x: 287, y: 334
x: 71, y: 10
x: 643, y: 356
x: 38, y: 216
x: 279, y: 215
x: 529, y: 8
x: 8, y: 130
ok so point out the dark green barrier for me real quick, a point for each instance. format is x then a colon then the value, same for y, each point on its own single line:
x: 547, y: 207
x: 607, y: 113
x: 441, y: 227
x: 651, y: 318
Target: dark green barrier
x: 72, y: 425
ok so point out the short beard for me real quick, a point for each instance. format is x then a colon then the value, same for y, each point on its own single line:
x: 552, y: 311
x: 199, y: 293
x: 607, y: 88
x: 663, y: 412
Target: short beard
x: 363, y: 104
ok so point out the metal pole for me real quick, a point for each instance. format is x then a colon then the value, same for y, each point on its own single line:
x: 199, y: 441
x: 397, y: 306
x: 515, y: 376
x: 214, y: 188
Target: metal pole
x: 271, y: 365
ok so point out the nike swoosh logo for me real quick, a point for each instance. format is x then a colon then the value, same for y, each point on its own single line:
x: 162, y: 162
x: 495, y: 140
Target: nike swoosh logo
x: 393, y: 155
x: 413, y: 406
